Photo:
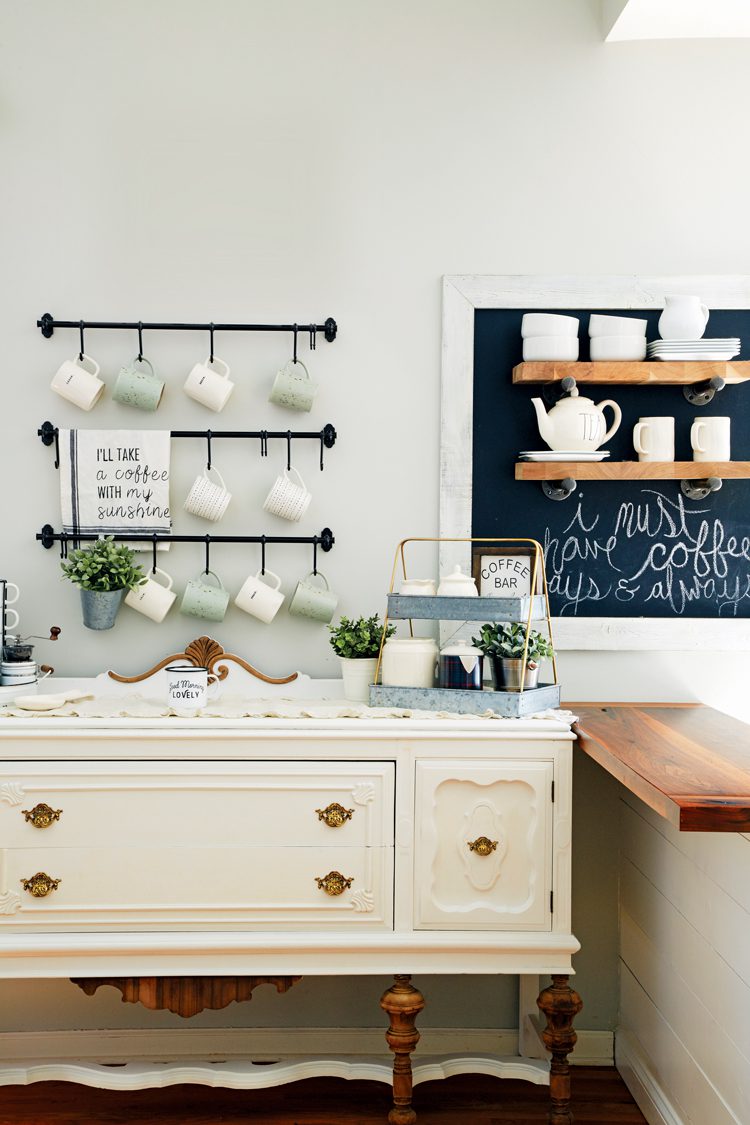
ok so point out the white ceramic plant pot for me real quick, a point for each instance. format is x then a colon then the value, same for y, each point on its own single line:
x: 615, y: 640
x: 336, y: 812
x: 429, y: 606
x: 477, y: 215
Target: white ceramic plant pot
x: 358, y: 674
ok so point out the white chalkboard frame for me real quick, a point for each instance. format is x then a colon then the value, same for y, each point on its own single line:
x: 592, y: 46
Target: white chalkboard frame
x: 462, y: 294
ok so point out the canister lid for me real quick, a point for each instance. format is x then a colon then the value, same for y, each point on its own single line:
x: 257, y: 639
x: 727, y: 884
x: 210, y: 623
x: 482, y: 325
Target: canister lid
x: 460, y: 648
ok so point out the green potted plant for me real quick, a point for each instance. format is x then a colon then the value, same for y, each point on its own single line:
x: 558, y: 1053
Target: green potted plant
x: 357, y: 644
x: 503, y: 643
x: 103, y: 570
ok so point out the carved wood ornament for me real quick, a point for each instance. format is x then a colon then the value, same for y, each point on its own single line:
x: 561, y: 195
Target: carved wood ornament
x: 204, y: 652
x: 185, y: 996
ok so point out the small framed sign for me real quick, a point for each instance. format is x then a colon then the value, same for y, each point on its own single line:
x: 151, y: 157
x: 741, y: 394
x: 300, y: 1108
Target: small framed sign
x: 503, y: 572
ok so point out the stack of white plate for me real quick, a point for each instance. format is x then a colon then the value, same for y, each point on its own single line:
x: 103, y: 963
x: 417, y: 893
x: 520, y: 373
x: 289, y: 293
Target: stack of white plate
x: 718, y: 349
x: 562, y: 455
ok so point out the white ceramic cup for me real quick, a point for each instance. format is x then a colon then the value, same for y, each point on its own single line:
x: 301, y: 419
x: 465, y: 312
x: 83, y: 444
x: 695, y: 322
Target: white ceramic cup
x: 601, y: 325
x: 548, y: 324
x: 541, y: 348
x: 260, y: 598
x: 620, y: 348
x: 709, y: 438
x: 288, y: 498
x: 206, y: 499
x: 209, y: 383
x: 78, y: 381
x: 153, y: 599
x: 419, y: 587
x: 187, y: 689
x: 12, y: 593
x: 653, y: 439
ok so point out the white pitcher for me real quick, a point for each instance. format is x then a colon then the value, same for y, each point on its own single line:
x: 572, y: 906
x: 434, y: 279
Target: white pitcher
x: 684, y: 318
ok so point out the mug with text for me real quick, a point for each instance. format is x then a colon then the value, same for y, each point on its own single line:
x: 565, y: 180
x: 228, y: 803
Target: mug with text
x: 209, y: 383
x: 153, y: 599
x: 260, y: 598
x: 709, y: 438
x: 187, y: 689
x: 77, y: 380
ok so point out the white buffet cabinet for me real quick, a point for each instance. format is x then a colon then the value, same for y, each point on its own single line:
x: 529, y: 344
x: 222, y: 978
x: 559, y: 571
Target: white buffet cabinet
x: 202, y: 848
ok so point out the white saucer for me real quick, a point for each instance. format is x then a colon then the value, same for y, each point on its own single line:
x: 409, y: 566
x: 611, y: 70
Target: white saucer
x: 562, y: 455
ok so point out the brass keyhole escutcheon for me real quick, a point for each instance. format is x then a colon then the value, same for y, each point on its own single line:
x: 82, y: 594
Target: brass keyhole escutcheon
x: 482, y: 845
x: 334, y: 883
x: 40, y: 885
x: 41, y: 816
x: 335, y: 815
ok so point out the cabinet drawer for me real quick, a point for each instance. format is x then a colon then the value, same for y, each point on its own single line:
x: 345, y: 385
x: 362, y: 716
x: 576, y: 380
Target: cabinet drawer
x: 503, y: 808
x: 261, y: 804
x: 190, y: 887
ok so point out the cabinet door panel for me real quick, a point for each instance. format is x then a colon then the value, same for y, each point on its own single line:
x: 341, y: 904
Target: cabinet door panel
x: 504, y: 809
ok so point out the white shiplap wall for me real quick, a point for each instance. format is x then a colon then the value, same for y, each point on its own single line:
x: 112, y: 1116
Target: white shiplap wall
x: 683, y: 1042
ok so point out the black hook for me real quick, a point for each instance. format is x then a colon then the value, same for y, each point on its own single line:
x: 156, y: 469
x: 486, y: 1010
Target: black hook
x: 315, y: 555
x: 140, y: 341
x: 208, y: 548
x: 154, y: 553
x: 264, y: 443
x: 63, y: 546
x: 289, y: 451
x: 262, y: 554
x: 322, y: 447
x: 313, y: 337
x: 57, y: 448
x: 295, y: 344
x: 211, y: 333
x: 80, y: 329
x: 208, y: 443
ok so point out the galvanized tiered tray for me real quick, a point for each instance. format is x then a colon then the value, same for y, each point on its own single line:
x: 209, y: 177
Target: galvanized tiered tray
x: 526, y: 609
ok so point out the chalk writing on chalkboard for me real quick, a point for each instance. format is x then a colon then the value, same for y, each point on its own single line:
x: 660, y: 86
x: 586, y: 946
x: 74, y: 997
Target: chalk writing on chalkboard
x: 657, y: 549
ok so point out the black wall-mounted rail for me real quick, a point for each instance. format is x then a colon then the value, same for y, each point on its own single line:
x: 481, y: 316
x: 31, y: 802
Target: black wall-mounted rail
x: 48, y: 537
x: 328, y: 328
x: 50, y: 433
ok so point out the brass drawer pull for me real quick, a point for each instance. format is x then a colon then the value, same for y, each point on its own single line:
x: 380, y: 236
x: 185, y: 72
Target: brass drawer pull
x: 334, y: 883
x: 482, y: 846
x: 41, y: 816
x: 40, y: 885
x: 335, y: 815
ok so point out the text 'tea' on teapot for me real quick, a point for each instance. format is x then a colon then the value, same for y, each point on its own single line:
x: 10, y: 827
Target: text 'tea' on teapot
x: 576, y: 424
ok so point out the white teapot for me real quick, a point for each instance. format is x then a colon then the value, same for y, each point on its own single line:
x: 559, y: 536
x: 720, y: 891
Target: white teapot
x: 576, y: 424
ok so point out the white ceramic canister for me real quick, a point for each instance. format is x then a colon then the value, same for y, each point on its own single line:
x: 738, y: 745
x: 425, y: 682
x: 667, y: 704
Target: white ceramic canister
x: 409, y: 662
x: 458, y: 584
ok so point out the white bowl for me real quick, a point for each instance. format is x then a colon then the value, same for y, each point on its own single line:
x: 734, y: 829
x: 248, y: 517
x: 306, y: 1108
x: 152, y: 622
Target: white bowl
x: 616, y: 325
x: 618, y: 347
x: 550, y: 347
x: 548, y: 324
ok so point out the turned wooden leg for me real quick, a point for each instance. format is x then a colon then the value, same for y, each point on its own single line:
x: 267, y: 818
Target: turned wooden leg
x: 560, y: 1005
x: 403, y: 1003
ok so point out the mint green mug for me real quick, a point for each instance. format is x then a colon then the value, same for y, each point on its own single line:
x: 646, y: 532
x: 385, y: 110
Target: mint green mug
x: 136, y: 386
x: 204, y: 599
x: 316, y: 602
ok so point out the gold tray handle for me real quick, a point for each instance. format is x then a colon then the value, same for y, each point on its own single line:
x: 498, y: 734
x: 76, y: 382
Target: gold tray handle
x: 40, y: 885
x: 41, y: 816
x: 334, y: 883
x: 482, y: 845
x: 335, y: 815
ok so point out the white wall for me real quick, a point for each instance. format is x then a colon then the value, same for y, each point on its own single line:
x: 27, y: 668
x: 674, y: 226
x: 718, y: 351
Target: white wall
x: 247, y: 160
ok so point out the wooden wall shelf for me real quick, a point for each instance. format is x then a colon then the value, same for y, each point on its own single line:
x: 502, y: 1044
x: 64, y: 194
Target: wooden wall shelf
x: 632, y: 470
x: 649, y: 371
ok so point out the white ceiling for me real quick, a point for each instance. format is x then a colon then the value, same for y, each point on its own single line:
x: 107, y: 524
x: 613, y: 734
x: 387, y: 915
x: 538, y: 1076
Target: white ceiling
x: 675, y: 19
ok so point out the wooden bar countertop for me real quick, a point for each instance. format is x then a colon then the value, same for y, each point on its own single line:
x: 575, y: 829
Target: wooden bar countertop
x: 689, y: 763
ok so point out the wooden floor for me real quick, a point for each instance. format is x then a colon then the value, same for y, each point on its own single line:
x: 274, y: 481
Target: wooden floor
x: 599, y: 1098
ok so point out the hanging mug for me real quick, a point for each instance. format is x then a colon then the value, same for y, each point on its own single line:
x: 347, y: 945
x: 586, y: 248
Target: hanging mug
x: 77, y: 380
x: 288, y: 497
x: 209, y: 383
x: 312, y: 601
x: 204, y: 599
x: 293, y: 387
x: 151, y: 598
x: 138, y: 385
x: 260, y: 598
x: 206, y: 499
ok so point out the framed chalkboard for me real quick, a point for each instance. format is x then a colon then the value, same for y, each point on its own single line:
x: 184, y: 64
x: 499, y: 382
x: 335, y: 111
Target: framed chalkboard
x: 632, y: 564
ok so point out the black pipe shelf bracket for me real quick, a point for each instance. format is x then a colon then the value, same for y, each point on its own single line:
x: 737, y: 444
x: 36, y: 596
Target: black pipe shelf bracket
x: 50, y: 434
x: 700, y: 394
x: 48, y: 537
x: 328, y: 329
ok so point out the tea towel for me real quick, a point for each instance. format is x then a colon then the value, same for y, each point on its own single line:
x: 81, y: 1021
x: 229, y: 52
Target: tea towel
x: 115, y: 481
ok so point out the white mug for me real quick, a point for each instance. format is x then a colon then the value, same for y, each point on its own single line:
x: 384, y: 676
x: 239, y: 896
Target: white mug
x: 78, y: 381
x: 709, y: 438
x: 206, y: 499
x: 421, y: 587
x: 151, y: 598
x: 209, y: 383
x: 653, y: 439
x: 187, y: 689
x: 259, y: 598
x: 288, y: 498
